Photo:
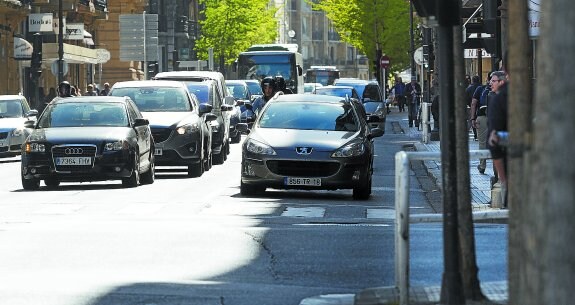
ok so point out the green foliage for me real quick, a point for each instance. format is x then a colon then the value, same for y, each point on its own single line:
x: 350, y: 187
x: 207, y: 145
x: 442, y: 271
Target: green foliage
x: 367, y: 23
x: 232, y: 26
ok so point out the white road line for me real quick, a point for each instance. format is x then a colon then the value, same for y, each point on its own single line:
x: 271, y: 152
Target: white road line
x: 303, y: 212
x: 380, y: 213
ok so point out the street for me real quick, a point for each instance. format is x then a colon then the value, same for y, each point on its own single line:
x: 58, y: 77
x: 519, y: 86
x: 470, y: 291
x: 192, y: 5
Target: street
x: 197, y: 241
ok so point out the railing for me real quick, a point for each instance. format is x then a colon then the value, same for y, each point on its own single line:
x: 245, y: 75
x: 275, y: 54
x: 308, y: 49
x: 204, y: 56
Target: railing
x: 402, y: 217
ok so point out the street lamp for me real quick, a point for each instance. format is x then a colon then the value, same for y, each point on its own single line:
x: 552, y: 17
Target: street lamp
x: 291, y: 35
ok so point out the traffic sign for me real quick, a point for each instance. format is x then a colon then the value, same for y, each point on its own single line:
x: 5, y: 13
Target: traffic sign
x: 54, y: 67
x: 384, y: 62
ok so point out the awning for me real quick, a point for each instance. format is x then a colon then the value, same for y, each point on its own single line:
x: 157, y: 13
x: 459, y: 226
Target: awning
x: 88, y: 38
x: 72, y: 54
x: 22, y: 49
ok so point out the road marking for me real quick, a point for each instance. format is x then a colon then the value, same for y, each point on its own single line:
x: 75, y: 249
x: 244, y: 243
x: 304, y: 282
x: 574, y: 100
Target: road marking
x: 140, y: 209
x: 380, y: 213
x: 303, y: 212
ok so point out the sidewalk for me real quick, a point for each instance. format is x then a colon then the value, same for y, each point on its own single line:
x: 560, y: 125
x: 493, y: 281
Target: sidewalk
x: 481, y: 202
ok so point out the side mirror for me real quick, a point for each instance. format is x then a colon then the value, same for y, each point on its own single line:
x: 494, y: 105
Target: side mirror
x: 243, y: 127
x: 226, y: 107
x: 30, y: 124
x: 141, y: 122
x: 375, y: 132
x: 205, y: 108
x: 210, y: 117
x: 32, y: 112
x: 299, y: 70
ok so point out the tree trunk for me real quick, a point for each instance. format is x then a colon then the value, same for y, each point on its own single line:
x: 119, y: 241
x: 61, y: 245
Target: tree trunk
x: 546, y: 227
x: 467, y: 260
x: 520, y: 127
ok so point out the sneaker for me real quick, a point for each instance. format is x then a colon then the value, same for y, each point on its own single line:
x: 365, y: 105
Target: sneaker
x: 481, y: 170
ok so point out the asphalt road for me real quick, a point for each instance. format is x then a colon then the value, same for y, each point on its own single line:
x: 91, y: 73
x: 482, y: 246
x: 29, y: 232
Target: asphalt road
x: 197, y: 241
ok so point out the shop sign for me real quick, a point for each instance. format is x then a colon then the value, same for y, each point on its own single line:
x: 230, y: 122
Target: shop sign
x: 40, y: 22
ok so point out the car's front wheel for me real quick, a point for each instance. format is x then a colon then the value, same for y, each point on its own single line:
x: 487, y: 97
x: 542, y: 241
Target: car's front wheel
x: 196, y: 170
x: 150, y: 175
x: 134, y: 179
x: 30, y: 184
x: 237, y: 138
x: 363, y: 191
x: 249, y: 190
x: 52, y: 182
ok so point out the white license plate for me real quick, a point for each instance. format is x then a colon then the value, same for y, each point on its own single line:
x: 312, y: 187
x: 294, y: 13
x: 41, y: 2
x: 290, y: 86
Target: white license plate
x: 74, y: 161
x: 158, y: 151
x: 302, y: 181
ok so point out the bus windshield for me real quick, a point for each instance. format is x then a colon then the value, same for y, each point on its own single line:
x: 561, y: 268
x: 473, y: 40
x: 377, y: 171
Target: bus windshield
x: 260, y: 66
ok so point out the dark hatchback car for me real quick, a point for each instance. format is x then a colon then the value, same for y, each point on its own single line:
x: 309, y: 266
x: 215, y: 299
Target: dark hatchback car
x: 91, y: 138
x: 308, y: 141
x: 180, y: 124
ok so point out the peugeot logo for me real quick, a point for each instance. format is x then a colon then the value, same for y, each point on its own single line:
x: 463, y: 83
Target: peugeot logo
x: 73, y: 151
x: 303, y: 150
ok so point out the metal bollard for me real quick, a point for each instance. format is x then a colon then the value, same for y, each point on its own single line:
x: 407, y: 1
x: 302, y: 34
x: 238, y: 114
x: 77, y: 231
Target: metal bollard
x: 425, y: 122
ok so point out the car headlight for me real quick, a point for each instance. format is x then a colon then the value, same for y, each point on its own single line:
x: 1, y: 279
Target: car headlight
x: 17, y: 132
x: 188, y: 128
x: 353, y: 149
x: 118, y: 145
x: 34, y: 147
x: 259, y: 148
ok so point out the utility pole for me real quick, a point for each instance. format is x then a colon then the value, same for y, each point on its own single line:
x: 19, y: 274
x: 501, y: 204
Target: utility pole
x: 411, y: 40
x: 60, y: 43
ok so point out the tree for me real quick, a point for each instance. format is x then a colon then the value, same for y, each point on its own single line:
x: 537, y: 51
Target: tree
x: 368, y: 25
x: 232, y: 26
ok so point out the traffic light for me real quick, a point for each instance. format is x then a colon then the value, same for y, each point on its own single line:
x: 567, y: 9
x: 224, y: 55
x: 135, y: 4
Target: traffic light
x: 153, y: 68
x: 428, y: 55
x: 492, y: 25
x: 36, y: 60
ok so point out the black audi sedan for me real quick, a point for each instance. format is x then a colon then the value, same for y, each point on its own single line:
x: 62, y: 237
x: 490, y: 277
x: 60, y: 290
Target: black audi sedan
x: 308, y: 141
x: 91, y: 138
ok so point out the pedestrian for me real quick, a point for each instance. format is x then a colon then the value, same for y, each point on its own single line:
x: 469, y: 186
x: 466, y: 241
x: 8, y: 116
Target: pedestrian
x: 281, y: 85
x: 90, y: 90
x: 269, y: 88
x: 478, y: 117
x: 106, y: 89
x: 497, y: 122
x: 469, y: 91
x: 399, y: 88
x: 412, y: 94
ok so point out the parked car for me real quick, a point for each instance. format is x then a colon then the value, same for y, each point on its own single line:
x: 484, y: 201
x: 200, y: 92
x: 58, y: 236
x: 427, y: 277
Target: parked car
x: 341, y: 91
x: 180, y: 124
x: 88, y: 138
x: 255, y: 88
x: 305, y: 141
x: 310, y: 87
x: 206, y: 92
x: 371, y: 97
x: 222, y: 104
x: 376, y: 112
x: 241, y: 92
x: 14, y: 111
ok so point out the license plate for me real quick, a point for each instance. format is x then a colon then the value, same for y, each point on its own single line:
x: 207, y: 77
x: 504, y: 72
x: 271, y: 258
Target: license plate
x: 74, y: 161
x: 302, y: 181
x: 158, y: 151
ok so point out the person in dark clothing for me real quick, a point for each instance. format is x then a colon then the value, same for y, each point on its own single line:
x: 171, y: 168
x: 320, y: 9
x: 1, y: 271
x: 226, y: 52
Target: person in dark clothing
x: 64, y: 89
x: 398, y: 89
x: 475, y: 82
x: 412, y: 94
x: 497, y: 121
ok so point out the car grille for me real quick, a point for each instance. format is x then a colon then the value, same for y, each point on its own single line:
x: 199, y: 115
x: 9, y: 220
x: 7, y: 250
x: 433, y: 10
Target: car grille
x: 87, y: 151
x: 3, y: 135
x: 161, y: 134
x: 303, y: 168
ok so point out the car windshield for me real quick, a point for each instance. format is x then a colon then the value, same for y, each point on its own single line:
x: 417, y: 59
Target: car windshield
x: 309, y: 116
x: 11, y: 109
x: 156, y: 99
x: 201, y: 91
x: 84, y: 114
x: 255, y: 87
x: 372, y: 106
x: 238, y: 91
x: 341, y: 92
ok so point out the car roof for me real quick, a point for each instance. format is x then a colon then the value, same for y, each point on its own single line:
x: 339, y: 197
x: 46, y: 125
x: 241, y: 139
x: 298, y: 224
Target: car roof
x: 309, y: 98
x: 189, y: 74
x: 236, y: 81
x: 92, y: 99
x: 12, y: 97
x: 148, y: 83
x: 334, y: 87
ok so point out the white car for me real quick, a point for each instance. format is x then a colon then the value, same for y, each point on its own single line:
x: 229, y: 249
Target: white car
x: 14, y: 111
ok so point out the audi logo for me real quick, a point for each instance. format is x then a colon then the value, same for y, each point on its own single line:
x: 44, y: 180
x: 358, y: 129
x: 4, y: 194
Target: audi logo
x: 73, y: 151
